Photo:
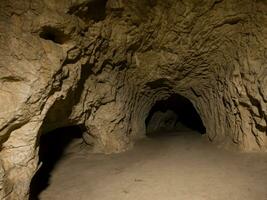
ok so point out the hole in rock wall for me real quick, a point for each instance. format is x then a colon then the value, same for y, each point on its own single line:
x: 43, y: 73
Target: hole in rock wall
x: 53, y: 34
x: 173, y: 114
x: 54, y: 146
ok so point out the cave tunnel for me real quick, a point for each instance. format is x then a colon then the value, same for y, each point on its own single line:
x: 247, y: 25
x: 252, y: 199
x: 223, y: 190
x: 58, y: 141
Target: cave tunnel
x: 171, y: 114
x: 53, y: 147
x: 114, y: 66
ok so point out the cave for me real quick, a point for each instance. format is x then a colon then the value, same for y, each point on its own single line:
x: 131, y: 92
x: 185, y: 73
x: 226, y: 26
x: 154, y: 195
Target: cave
x: 171, y: 114
x: 151, y: 99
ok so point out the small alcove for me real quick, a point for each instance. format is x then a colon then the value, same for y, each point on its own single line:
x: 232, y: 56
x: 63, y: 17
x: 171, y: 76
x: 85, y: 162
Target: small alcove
x: 53, y: 147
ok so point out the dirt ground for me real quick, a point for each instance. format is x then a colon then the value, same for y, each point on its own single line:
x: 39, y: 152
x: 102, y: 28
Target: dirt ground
x: 179, y: 166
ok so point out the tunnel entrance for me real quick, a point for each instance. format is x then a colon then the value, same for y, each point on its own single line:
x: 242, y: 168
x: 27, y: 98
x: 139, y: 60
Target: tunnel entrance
x: 172, y: 114
x: 54, y: 146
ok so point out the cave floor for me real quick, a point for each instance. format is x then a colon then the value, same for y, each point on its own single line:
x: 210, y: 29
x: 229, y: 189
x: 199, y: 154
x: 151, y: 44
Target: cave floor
x: 182, y: 166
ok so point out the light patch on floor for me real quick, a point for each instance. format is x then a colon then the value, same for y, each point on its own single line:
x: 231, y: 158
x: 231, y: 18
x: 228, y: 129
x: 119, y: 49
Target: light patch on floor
x: 182, y: 166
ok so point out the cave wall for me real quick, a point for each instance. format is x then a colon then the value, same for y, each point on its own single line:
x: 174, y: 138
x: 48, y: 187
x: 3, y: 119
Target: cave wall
x: 62, y: 63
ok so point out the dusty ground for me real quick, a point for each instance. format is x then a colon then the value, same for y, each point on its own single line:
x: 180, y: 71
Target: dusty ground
x: 182, y: 166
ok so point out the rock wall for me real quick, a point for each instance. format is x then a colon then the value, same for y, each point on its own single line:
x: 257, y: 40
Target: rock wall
x: 104, y: 65
x: 162, y: 121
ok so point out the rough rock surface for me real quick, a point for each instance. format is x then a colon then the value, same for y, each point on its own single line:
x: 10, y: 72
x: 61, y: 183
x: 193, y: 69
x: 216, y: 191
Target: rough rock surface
x: 162, y: 121
x: 104, y: 64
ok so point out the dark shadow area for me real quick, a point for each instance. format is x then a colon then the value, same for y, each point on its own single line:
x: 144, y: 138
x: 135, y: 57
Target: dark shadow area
x: 90, y: 10
x: 52, y: 148
x: 53, y: 34
x: 168, y: 114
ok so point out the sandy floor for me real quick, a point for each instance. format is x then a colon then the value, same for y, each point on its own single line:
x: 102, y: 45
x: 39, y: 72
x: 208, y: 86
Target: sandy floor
x: 180, y: 167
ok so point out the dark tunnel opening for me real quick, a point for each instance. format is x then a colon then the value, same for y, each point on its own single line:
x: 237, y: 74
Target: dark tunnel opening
x: 53, y: 146
x: 169, y: 114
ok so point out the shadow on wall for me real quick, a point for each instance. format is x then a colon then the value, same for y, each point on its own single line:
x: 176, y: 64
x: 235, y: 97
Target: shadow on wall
x: 53, y: 147
x: 167, y: 115
x: 90, y: 10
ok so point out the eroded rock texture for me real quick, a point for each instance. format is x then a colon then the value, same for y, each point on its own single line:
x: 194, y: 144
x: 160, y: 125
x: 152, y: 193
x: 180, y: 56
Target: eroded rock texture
x: 105, y: 64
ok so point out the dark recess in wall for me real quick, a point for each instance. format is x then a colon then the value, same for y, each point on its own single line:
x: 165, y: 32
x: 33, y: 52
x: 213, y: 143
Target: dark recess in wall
x: 52, y: 146
x: 93, y: 10
x: 53, y: 34
x: 183, y: 108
